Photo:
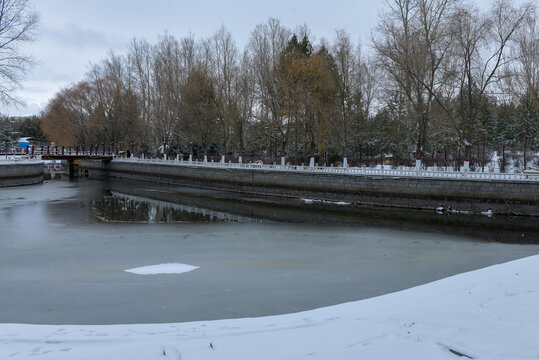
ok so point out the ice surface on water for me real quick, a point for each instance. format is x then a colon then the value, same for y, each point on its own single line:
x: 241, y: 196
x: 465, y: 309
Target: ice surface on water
x: 58, y: 264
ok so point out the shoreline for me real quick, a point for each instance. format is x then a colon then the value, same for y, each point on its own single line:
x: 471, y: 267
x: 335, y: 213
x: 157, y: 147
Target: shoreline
x: 486, y: 313
x: 475, y: 196
x: 21, y: 173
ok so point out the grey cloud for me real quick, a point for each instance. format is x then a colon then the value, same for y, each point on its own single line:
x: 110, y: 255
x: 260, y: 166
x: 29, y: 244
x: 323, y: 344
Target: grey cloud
x: 73, y: 35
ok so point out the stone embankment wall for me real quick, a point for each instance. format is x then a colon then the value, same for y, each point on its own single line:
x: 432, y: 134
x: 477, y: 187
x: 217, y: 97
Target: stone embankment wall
x: 21, y: 173
x: 501, y: 197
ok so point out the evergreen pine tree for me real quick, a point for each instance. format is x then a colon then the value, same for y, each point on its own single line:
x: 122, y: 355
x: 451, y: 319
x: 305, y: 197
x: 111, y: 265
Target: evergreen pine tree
x: 528, y: 125
x: 8, y: 139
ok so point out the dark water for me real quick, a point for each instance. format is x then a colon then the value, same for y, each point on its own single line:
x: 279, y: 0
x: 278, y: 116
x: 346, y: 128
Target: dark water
x: 64, y: 246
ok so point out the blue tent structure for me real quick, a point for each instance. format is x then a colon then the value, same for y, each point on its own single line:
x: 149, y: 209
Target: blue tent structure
x: 23, y: 143
x: 26, y: 141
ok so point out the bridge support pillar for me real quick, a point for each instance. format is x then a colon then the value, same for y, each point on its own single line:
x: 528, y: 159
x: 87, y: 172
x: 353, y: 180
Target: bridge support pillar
x: 74, y: 168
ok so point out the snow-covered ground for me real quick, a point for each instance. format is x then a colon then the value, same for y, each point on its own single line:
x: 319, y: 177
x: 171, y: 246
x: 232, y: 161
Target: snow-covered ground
x: 491, y: 313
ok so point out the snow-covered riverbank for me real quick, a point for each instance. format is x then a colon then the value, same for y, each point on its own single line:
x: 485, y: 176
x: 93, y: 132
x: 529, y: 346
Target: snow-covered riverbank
x: 490, y: 313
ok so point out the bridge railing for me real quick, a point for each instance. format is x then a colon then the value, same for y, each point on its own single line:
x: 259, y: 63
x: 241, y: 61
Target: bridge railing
x: 358, y: 171
x: 34, y: 150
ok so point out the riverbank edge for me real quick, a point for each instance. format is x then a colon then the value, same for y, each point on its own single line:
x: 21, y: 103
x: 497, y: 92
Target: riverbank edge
x: 454, y: 195
x: 486, y: 313
x: 18, y: 174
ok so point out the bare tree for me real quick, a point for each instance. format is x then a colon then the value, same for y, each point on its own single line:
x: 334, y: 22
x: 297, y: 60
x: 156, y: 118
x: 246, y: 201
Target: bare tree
x: 481, y: 44
x: 245, y: 99
x: 356, y: 86
x: 199, y: 110
x: 166, y: 94
x: 67, y: 119
x: 17, y: 25
x: 412, y: 41
x: 224, y: 69
x: 140, y: 64
x: 345, y: 60
x: 116, y: 109
x: 266, y: 44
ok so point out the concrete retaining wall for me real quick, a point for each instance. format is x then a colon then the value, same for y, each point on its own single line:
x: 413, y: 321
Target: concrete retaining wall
x: 13, y: 174
x: 502, y: 197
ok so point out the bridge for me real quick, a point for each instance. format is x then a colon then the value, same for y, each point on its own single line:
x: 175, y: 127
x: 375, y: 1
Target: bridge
x: 73, y: 155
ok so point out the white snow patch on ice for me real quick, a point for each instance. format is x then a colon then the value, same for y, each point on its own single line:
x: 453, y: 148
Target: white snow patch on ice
x: 171, y: 268
x: 310, y: 201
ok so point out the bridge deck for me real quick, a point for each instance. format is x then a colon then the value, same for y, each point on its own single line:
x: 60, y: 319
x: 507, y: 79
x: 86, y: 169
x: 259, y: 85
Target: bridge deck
x: 75, y: 157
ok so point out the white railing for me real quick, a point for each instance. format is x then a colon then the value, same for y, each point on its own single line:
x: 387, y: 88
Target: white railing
x: 357, y: 171
x: 365, y: 171
x: 17, y: 159
x: 60, y: 151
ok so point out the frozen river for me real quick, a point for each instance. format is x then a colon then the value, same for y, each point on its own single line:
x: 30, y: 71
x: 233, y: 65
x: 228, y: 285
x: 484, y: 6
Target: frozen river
x: 64, y: 246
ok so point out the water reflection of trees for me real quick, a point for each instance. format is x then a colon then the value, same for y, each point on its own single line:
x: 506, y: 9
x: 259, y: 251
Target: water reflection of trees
x: 127, y: 209
x: 118, y: 207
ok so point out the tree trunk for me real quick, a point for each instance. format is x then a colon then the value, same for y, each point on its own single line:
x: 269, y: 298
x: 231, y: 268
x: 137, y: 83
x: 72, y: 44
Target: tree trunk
x: 483, y: 160
x: 503, y: 158
x: 467, y: 152
x: 418, y: 155
x: 445, y: 155
x: 240, y: 138
x: 525, y: 148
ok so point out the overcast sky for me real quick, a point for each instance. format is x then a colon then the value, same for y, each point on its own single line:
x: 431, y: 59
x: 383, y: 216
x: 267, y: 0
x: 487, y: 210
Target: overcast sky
x: 73, y: 34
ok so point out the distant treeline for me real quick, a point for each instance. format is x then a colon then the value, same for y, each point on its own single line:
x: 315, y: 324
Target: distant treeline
x: 444, y: 82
